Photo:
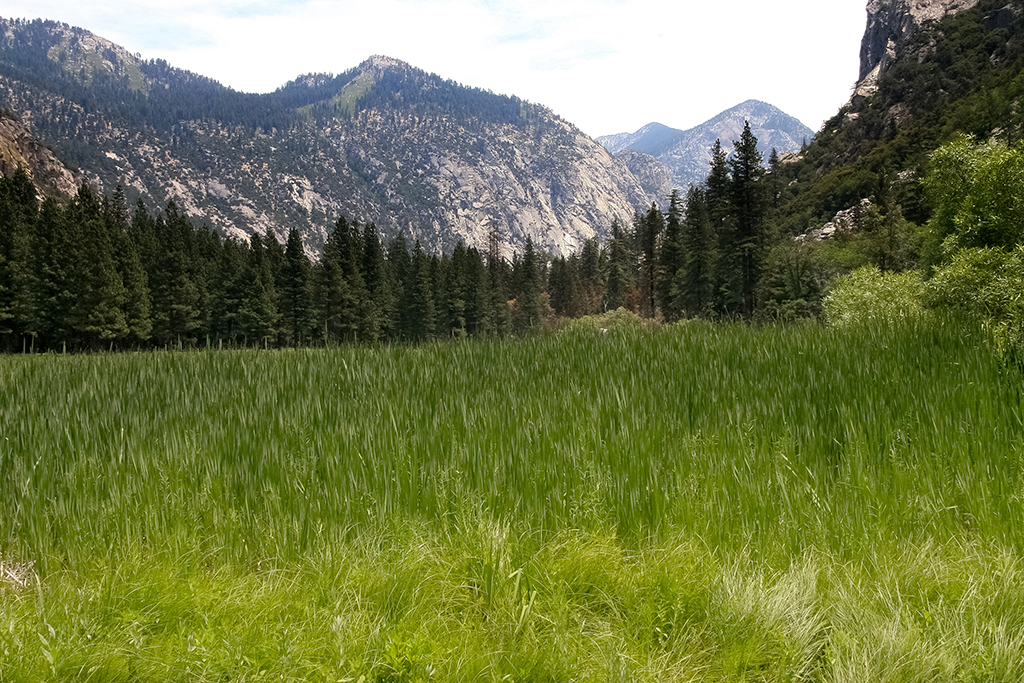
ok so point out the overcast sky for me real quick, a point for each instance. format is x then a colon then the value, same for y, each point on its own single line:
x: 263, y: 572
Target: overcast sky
x: 608, y: 66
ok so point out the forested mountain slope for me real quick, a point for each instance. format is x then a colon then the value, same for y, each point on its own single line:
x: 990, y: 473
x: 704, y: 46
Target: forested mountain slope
x: 947, y: 67
x: 384, y: 142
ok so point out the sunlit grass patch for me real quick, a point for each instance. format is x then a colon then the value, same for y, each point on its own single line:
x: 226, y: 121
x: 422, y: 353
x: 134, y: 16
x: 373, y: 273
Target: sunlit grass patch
x: 707, y: 503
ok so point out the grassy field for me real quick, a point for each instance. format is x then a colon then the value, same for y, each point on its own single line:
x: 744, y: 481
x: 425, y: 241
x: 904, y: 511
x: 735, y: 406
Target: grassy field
x: 698, y: 503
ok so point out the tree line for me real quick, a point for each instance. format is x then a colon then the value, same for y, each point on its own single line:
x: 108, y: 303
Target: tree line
x: 91, y: 274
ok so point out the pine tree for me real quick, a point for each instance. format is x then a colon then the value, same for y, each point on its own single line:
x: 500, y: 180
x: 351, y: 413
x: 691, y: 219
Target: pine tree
x: 258, y: 314
x: 564, y: 287
x: 380, y: 286
x: 455, y: 290
x: 229, y: 291
x: 478, y: 295
x: 498, y: 276
x: 55, y: 257
x: 97, y: 316
x: 296, y: 293
x: 590, y: 270
x: 526, y: 275
x: 417, y: 305
x: 18, y: 215
x: 650, y: 229
x: 699, y: 246
x: 176, y: 294
x: 671, y: 262
x: 341, y: 292
x: 620, y: 272
x: 749, y: 205
x: 137, y: 306
x: 774, y: 188
x: 399, y: 265
x: 718, y: 201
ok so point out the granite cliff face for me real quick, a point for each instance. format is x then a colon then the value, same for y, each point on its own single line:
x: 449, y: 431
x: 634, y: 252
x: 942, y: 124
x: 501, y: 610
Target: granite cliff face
x: 653, y: 176
x: 891, y: 25
x: 383, y: 142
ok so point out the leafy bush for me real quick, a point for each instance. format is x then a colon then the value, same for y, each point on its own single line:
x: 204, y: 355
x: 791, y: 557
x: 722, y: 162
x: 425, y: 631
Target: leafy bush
x: 985, y: 284
x: 870, y: 296
x: 977, y: 192
x: 619, y: 319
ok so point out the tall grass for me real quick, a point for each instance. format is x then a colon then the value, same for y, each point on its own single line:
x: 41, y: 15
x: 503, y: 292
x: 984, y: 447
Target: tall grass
x: 698, y: 503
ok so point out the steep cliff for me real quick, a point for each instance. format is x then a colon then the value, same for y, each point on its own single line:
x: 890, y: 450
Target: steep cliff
x: 383, y: 142
x: 932, y: 70
x: 653, y: 176
x: 891, y: 26
x: 20, y: 149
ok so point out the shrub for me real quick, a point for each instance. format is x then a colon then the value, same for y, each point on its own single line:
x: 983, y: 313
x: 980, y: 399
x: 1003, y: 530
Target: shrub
x: 984, y: 284
x: 869, y: 296
x: 978, y: 195
x: 619, y: 319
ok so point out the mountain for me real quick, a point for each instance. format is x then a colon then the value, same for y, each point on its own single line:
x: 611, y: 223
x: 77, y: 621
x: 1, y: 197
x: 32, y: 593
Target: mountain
x: 653, y: 176
x: 382, y: 142
x: 931, y: 69
x: 687, y: 154
x: 652, y: 139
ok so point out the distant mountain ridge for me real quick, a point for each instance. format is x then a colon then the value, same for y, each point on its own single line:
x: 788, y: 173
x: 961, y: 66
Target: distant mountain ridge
x: 382, y: 142
x: 687, y: 154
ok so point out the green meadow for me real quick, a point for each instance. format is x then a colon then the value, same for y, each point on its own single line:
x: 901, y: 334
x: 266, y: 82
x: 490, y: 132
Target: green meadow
x: 693, y: 503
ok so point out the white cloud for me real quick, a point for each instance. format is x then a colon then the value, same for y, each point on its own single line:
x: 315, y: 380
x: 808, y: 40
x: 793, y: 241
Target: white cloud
x: 608, y: 66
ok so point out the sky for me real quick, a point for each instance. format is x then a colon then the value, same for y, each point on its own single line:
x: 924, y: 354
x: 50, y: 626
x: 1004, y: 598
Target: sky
x: 607, y: 66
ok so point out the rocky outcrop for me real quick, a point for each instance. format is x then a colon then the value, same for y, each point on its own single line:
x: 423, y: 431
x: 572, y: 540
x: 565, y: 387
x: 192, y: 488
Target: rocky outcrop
x: 891, y: 25
x: 20, y: 149
x: 843, y: 223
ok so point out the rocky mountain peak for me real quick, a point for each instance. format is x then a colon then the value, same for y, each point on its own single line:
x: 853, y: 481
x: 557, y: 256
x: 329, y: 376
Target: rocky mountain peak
x: 687, y: 154
x: 383, y: 62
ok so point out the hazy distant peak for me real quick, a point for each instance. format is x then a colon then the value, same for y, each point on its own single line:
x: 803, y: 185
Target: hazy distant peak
x: 383, y: 62
x: 687, y: 153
